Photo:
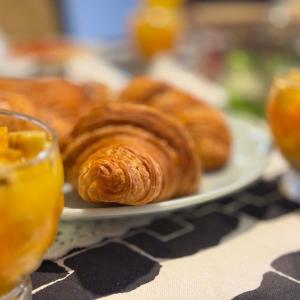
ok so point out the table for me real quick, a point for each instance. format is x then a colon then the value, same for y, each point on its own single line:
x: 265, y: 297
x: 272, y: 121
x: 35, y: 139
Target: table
x: 245, y: 246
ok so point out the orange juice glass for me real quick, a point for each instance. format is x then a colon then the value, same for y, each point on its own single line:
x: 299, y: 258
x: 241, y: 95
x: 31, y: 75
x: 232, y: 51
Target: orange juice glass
x: 284, y: 119
x: 157, y: 26
x: 31, y: 201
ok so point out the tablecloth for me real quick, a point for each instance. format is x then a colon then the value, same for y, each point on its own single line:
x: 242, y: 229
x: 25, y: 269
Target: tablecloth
x: 244, y: 246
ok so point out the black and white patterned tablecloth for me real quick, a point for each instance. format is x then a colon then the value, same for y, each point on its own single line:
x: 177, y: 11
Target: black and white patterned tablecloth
x: 241, y: 247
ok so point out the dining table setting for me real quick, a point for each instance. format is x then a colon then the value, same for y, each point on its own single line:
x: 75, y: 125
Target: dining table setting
x: 234, y: 239
x: 154, y: 172
x: 242, y: 246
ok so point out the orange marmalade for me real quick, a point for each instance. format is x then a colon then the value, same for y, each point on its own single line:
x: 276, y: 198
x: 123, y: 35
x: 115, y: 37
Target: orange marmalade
x: 284, y: 115
x: 31, y: 179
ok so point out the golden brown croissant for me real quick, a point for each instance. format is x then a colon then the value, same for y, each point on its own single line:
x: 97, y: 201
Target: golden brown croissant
x: 206, y: 125
x: 141, y: 89
x: 130, y: 154
x: 18, y: 103
x: 59, y: 102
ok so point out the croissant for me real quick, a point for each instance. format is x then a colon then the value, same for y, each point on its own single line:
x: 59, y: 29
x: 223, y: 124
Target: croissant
x: 16, y: 102
x: 130, y: 154
x: 141, y: 89
x: 60, y: 102
x: 206, y: 125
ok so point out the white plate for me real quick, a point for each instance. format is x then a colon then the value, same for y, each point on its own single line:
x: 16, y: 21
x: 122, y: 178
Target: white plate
x: 249, y: 157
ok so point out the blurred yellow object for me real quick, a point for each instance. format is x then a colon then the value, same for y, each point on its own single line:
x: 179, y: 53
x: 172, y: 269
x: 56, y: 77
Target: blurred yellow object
x: 31, y: 199
x: 166, y: 3
x: 284, y: 115
x: 3, y: 138
x: 11, y: 156
x: 157, y: 25
x: 31, y: 143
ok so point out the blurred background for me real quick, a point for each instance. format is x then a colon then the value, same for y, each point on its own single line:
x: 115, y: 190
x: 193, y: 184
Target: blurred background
x: 224, y: 50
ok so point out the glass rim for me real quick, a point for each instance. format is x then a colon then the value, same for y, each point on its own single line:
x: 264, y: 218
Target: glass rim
x: 281, y: 76
x: 43, y: 154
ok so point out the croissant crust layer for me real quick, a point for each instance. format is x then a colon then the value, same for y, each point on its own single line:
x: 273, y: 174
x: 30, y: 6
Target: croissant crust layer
x: 155, y: 122
x: 130, y: 154
x: 205, y: 124
x: 120, y: 175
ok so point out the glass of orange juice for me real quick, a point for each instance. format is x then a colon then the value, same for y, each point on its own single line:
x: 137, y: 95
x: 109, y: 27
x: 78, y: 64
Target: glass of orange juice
x: 284, y: 119
x: 157, y: 25
x: 31, y: 199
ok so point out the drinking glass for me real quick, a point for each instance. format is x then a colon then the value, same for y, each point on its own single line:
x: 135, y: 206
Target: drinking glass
x: 156, y: 26
x: 31, y: 201
x: 284, y: 119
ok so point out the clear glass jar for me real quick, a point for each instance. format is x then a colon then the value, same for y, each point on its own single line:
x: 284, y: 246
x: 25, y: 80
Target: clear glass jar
x: 284, y: 119
x: 31, y: 201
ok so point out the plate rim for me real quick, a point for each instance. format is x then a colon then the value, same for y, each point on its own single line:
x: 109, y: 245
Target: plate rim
x: 84, y: 214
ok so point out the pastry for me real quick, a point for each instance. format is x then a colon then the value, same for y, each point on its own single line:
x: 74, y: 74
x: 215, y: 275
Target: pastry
x: 205, y: 124
x: 141, y: 89
x: 130, y: 154
x: 16, y: 102
x: 46, y: 50
x: 59, y: 102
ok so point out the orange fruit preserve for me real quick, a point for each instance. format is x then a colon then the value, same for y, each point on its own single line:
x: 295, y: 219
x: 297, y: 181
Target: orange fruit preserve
x: 284, y: 115
x: 31, y: 200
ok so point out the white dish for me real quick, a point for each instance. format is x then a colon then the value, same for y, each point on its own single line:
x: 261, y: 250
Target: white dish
x: 251, y: 144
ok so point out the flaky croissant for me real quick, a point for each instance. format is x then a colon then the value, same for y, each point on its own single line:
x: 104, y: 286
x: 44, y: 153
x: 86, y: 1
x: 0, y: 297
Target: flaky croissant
x: 205, y: 124
x: 18, y: 103
x: 59, y: 102
x: 130, y: 154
